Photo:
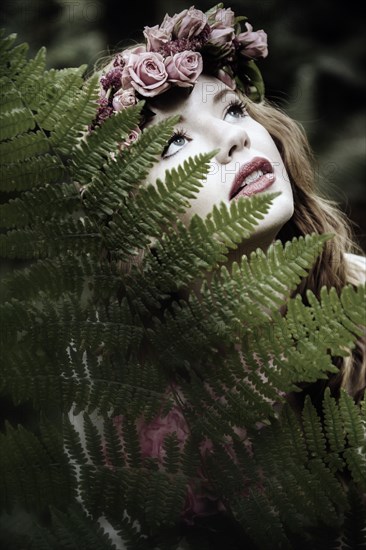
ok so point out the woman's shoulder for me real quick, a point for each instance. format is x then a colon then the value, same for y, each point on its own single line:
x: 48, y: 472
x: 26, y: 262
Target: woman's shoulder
x: 357, y: 268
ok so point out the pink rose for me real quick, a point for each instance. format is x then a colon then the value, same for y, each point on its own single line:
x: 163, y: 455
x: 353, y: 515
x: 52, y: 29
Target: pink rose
x: 146, y: 73
x: 152, y: 435
x: 222, y: 18
x: 127, y: 53
x: 222, y: 36
x: 200, y: 502
x: 131, y: 138
x: 254, y: 44
x: 124, y: 98
x: 226, y: 79
x: 156, y: 38
x: 190, y: 23
x: 184, y: 68
x: 169, y: 22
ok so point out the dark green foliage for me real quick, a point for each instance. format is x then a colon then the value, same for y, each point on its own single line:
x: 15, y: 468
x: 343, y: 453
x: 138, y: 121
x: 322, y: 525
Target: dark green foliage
x: 104, y: 351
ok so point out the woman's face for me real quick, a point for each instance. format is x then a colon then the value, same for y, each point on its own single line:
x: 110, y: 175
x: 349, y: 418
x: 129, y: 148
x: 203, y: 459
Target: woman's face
x: 248, y: 161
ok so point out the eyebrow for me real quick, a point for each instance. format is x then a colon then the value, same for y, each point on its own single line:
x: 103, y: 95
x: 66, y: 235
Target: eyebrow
x: 216, y: 99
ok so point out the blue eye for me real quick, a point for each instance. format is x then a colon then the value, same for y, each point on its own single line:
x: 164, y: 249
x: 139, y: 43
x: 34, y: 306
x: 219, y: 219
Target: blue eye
x: 176, y: 142
x: 236, y: 110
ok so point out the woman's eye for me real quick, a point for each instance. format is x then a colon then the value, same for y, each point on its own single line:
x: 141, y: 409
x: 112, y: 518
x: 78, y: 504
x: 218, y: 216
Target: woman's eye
x: 176, y: 142
x: 236, y: 111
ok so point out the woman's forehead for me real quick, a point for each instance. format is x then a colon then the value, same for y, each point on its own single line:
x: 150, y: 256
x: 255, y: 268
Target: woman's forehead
x: 207, y: 90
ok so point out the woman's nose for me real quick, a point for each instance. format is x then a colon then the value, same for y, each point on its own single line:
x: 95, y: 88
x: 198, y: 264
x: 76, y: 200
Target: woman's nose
x: 231, y: 139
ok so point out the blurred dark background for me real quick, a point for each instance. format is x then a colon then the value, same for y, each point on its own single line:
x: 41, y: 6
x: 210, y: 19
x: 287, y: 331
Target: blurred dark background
x: 314, y: 71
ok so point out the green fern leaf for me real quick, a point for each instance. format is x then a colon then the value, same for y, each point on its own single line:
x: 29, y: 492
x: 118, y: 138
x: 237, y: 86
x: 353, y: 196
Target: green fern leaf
x: 31, y: 73
x: 71, y: 127
x: 6, y: 44
x: 13, y: 59
x: 96, y: 148
x: 313, y: 430
x: 35, y: 205
x: 131, y: 230
x: 185, y: 253
x: 127, y: 170
x: 353, y: 423
x: 15, y: 121
x: 93, y: 442
x: 24, y: 175
x: 334, y: 431
x: 59, y: 87
x: 29, y: 473
x: 132, y: 446
x: 260, y: 522
x: 9, y: 100
x: 23, y: 146
x: 131, y: 535
x: 76, y: 529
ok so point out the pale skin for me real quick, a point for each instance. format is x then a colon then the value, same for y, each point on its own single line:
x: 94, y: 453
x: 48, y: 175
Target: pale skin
x: 213, y: 117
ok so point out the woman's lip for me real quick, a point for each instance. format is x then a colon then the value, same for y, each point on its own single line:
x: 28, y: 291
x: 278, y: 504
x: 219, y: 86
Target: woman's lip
x: 264, y: 181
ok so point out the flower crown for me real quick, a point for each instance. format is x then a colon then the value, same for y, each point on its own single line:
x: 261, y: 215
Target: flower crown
x: 178, y: 51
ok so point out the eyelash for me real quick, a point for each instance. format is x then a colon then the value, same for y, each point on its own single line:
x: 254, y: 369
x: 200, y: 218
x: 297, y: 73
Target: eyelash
x: 179, y: 133
x: 239, y: 104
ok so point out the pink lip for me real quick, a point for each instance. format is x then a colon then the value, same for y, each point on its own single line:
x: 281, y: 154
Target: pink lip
x: 264, y: 181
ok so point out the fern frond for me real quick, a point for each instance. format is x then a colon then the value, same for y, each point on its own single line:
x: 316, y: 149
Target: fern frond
x: 172, y: 457
x: 94, y: 151
x: 131, y: 229
x: 336, y: 322
x: 72, y: 442
x: 132, y: 446
x: 9, y: 100
x: 312, y: 426
x: 261, y: 281
x: 183, y: 254
x: 194, y: 329
x: 26, y: 174
x: 13, y: 59
x: 6, y: 43
x: 164, y: 500
x: 20, y: 244
x: 257, y: 517
x: 127, y: 170
x: 93, y: 443
x: 29, y: 473
x: 131, y: 536
x: 354, y: 303
x: 30, y: 74
x: 72, y: 125
x: 113, y: 444
x: 23, y: 146
x: 354, y: 426
x: 54, y: 276
x: 75, y: 529
x: 310, y: 327
x: 17, y: 118
x: 336, y: 436
x: 329, y: 484
x: 20, y: 82
x: 69, y: 235
x: 35, y: 205
x: 354, y: 529
x: 59, y: 87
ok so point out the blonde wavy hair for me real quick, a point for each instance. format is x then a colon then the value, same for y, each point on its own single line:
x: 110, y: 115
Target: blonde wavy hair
x: 314, y: 213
